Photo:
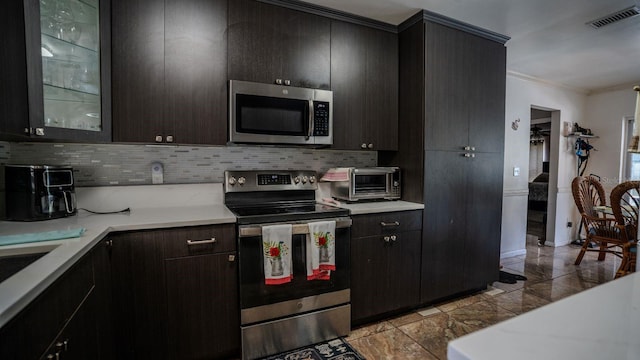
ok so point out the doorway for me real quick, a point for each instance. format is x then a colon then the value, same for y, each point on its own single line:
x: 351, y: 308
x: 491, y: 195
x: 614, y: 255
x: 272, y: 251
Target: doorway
x: 539, y: 159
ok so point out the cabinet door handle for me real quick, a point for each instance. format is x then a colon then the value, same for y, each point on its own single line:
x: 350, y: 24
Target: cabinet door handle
x: 386, y: 239
x: 386, y: 224
x: 201, y: 242
x: 169, y: 138
x: 363, y: 146
x: 158, y: 138
x: 393, y: 238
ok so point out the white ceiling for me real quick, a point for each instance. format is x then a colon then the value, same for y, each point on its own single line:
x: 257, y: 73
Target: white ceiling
x: 549, y: 38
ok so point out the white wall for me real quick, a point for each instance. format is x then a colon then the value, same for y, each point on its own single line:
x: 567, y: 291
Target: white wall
x: 523, y: 93
x: 605, y: 113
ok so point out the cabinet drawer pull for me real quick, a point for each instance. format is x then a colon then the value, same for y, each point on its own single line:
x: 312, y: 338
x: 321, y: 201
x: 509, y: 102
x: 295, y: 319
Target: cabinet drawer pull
x: 386, y: 224
x: 394, y: 238
x: 201, y: 242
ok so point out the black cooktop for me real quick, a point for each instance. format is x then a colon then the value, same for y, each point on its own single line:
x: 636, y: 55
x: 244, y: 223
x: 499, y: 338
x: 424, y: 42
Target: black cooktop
x: 275, y: 196
x: 285, y: 212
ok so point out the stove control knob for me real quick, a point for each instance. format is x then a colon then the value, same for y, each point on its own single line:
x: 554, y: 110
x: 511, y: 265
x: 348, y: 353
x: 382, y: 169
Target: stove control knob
x: 296, y: 179
x: 305, y: 179
x: 312, y: 179
x: 241, y: 180
x: 232, y: 181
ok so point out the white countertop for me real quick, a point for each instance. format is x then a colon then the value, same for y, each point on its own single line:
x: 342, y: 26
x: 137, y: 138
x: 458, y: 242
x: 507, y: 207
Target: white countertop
x: 599, y: 323
x: 152, y: 207
x: 21, y: 288
x: 377, y: 206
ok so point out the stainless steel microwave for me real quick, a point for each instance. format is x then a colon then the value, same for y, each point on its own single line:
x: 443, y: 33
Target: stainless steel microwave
x: 277, y: 114
x: 374, y: 183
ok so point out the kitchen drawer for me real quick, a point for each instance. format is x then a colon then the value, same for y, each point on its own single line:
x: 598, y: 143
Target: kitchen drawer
x: 196, y: 240
x: 386, y: 223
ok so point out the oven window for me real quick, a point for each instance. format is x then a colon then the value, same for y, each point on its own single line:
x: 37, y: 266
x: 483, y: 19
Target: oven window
x: 370, y: 183
x: 254, y: 292
x: 271, y: 116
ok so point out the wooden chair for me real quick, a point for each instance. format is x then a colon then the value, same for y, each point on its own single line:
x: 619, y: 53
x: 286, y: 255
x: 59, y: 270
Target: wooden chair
x: 587, y: 194
x: 625, y: 204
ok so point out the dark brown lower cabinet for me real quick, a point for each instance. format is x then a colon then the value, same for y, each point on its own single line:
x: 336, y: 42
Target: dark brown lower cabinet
x: 62, y: 322
x: 385, y: 264
x: 78, y: 340
x: 173, y: 300
x: 202, y: 301
x: 461, y: 248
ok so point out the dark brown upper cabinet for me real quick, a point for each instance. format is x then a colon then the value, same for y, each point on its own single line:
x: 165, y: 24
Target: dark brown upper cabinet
x: 364, y: 80
x: 55, y: 69
x: 169, y: 71
x: 465, y: 81
x: 269, y: 42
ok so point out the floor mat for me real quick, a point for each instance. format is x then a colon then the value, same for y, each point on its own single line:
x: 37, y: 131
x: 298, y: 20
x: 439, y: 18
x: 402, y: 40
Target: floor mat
x: 509, y: 278
x: 336, y: 349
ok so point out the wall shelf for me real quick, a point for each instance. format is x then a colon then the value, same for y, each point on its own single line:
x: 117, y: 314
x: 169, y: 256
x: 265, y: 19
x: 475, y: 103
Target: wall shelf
x: 579, y: 135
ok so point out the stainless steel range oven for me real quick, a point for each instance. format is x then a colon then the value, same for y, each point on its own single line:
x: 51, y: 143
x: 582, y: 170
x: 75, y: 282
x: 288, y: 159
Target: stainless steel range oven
x: 299, y: 312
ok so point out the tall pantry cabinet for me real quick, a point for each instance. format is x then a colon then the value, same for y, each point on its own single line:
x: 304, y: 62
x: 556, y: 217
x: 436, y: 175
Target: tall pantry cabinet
x: 451, y: 148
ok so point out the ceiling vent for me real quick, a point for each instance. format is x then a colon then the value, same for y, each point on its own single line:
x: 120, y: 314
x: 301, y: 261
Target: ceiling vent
x: 615, y: 17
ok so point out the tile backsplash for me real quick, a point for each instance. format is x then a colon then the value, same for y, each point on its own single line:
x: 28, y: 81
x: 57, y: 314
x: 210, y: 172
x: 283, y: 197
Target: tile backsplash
x: 118, y: 164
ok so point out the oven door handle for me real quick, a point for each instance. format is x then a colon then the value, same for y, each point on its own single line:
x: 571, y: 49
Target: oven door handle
x: 296, y: 229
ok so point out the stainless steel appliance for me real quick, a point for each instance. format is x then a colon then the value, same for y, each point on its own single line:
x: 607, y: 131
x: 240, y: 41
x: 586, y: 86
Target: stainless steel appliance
x: 39, y: 192
x: 279, y: 114
x: 374, y: 183
x: 276, y: 318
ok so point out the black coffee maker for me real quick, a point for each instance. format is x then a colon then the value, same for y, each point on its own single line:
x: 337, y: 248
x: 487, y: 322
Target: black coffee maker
x: 39, y: 192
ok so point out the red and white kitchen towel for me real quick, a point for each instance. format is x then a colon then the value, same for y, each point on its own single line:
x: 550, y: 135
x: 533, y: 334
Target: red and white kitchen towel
x: 321, y: 255
x: 276, y: 245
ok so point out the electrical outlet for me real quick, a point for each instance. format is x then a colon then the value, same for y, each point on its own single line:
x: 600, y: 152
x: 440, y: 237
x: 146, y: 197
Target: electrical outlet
x: 516, y: 171
x: 157, y: 173
x: 569, y: 224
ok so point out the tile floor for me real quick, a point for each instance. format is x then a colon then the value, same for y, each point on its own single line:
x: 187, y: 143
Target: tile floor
x: 424, y: 334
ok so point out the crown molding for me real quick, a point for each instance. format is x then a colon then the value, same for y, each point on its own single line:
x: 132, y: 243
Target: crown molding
x: 547, y: 82
x: 426, y: 15
x: 628, y: 86
x: 333, y: 14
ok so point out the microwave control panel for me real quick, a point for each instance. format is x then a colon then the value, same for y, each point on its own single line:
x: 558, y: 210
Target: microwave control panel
x: 321, y: 118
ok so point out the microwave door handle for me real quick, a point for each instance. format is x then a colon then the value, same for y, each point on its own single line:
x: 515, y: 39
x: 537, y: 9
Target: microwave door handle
x: 310, y: 132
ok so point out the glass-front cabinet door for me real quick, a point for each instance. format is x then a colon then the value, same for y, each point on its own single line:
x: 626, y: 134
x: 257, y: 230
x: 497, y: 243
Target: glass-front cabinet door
x: 70, y: 49
x: 71, y: 99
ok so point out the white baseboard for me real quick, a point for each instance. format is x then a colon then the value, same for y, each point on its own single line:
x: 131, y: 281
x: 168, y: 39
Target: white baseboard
x: 513, y: 253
